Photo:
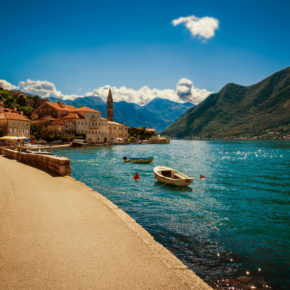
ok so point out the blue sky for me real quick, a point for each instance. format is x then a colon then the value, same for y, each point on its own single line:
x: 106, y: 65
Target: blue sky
x: 83, y: 45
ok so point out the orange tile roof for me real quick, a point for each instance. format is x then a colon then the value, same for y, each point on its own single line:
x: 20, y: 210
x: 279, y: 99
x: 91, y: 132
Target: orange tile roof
x: 47, y: 117
x: 57, y: 122
x: 115, y: 123
x: 12, y: 115
x: 86, y: 109
x: 61, y: 106
x: 71, y: 116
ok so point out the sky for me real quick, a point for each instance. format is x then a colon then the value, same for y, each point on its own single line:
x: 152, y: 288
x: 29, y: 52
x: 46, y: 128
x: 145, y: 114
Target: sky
x: 180, y: 50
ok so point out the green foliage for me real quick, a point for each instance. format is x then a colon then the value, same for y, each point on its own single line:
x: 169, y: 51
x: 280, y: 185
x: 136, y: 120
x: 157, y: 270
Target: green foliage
x: 21, y: 102
x: 236, y: 111
x: 139, y: 133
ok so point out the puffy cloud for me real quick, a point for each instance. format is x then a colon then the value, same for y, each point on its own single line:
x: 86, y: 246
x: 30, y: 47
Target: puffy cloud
x: 188, y: 93
x: 204, y: 27
x: 185, y: 92
x: 43, y: 89
x: 6, y: 86
x: 141, y: 97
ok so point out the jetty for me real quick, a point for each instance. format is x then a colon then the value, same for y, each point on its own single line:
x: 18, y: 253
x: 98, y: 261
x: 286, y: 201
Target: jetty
x: 57, y: 233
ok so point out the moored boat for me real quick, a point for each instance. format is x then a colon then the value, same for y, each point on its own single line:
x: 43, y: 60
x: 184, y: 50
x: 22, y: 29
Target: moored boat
x: 171, y: 176
x: 77, y: 144
x: 138, y: 159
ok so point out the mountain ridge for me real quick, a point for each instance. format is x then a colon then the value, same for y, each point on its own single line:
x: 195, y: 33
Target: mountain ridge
x: 239, y: 111
x: 158, y: 113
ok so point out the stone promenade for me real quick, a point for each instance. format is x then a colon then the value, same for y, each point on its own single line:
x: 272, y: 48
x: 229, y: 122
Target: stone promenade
x: 57, y: 233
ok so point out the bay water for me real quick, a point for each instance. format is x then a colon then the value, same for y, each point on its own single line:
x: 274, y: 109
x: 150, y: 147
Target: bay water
x: 231, y: 228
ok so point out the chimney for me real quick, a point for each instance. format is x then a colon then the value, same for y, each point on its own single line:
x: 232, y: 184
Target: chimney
x: 15, y: 109
x: 21, y: 113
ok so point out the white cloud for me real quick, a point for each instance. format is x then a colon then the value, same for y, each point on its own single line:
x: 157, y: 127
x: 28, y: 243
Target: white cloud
x: 188, y: 93
x: 204, y: 27
x: 6, y: 86
x: 185, y: 92
x: 43, y: 89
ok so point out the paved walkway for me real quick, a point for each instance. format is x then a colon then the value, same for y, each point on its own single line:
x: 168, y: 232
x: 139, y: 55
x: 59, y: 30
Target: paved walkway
x: 56, y: 233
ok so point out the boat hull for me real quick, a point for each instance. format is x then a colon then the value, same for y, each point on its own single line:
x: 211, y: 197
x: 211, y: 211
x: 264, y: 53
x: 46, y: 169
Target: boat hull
x: 145, y: 160
x: 182, y: 180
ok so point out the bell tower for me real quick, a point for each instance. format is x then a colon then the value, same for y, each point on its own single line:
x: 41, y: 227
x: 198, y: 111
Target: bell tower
x: 110, y: 106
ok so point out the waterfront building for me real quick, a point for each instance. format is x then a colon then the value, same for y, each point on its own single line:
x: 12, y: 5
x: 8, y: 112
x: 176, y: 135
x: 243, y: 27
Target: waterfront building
x: 118, y: 132
x: 99, y: 135
x: 151, y: 130
x: 55, y: 110
x: 13, y: 123
x: 66, y: 120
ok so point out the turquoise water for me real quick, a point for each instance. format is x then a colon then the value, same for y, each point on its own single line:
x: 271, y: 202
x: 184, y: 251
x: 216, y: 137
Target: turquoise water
x: 234, y: 221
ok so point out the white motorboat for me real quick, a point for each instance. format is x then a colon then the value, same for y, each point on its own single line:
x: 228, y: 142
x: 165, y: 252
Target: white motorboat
x: 169, y: 175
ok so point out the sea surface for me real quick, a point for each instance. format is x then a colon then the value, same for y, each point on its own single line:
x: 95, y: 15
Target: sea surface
x: 231, y: 228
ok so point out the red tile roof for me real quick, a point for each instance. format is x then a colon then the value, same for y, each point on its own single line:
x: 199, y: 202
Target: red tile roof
x: 47, y: 117
x: 57, y: 122
x: 12, y: 115
x: 86, y: 109
x: 61, y: 106
x: 71, y: 116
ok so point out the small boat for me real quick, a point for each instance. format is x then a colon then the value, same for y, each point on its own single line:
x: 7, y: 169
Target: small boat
x: 138, y: 159
x: 169, y: 175
x: 77, y: 144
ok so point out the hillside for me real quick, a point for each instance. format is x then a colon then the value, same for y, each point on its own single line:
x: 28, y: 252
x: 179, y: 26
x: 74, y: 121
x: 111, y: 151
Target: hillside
x: 158, y: 114
x: 20, y: 101
x: 259, y: 110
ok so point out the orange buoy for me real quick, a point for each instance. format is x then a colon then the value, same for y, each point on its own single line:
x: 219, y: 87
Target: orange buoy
x: 137, y: 177
x: 202, y: 176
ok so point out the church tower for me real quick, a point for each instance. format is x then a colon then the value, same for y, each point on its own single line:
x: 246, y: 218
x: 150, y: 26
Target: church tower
x: 110, y: 106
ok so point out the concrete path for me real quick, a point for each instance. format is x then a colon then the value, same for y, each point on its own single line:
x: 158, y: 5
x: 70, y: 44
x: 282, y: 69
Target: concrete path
x: 57, y: 233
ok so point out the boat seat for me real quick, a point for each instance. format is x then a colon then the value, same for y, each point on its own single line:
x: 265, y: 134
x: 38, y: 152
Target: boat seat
x: 177, y: 176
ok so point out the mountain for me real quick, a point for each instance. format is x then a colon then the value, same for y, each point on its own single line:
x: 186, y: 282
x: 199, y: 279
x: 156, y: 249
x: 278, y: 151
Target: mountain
x: 262, y: 109
x: 158, y: 114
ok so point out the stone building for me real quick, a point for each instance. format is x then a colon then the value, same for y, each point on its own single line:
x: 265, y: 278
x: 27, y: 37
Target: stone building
x: 13, y: 123
x: 118, y: 133
x: 55, y: 110
x: 67, y: 120
x: 99, y: 135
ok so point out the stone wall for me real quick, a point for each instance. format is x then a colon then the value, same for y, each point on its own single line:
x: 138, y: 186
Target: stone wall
x: 53, y: 164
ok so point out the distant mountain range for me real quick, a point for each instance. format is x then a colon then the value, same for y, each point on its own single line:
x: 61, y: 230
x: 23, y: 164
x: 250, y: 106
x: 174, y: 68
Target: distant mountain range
x: 262, y: 109
x: 158, y: 114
